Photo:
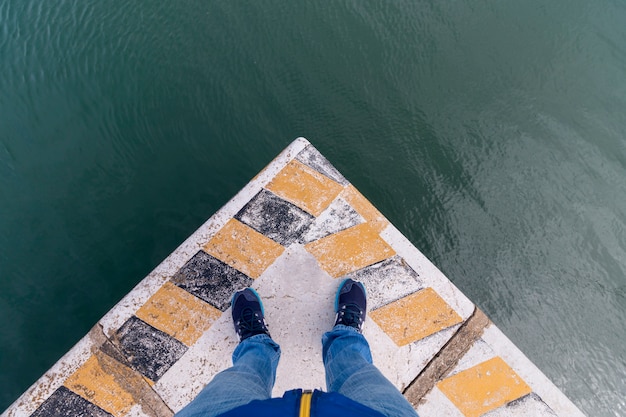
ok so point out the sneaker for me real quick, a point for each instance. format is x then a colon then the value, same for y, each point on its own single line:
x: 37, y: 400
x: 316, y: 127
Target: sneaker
x: 248, y: 314
x: 351, y: 304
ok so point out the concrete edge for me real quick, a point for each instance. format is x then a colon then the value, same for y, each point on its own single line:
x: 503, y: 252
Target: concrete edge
x: 544, y: 387
x: 448, y: 357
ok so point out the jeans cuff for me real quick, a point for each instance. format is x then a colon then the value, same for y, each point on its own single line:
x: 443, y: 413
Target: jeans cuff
x: 344, y: 327
x: 258, y: 338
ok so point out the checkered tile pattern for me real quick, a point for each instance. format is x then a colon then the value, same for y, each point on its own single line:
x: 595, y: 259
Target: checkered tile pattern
x: 309, y: 203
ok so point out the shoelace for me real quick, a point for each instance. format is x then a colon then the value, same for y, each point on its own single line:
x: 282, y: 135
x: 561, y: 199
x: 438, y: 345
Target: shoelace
x: 350, y: 315
x: 250, y: 322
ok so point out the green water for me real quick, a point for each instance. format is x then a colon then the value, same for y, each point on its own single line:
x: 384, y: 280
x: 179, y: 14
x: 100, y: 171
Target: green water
x: 492, y: 133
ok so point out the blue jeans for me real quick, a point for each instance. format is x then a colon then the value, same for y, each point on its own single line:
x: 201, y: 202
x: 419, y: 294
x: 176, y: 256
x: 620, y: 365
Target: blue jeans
x: 349, y: 371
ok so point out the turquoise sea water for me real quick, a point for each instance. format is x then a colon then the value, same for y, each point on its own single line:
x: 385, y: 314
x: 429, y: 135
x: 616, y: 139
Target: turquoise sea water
x: 491, y: 133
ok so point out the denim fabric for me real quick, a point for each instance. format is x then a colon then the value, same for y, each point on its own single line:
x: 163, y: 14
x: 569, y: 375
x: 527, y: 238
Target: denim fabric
x: 349, y: 371
x: 250, y: 378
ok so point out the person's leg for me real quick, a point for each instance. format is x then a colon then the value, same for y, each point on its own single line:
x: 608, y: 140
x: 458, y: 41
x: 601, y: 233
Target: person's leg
x: 255, y: 359
x: 250, y: 378
x: 348, y: 360
x: 350, y: 372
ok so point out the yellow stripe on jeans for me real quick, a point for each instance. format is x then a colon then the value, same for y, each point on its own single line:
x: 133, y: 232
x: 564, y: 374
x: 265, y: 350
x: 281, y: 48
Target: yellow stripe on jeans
x: 305, y: 404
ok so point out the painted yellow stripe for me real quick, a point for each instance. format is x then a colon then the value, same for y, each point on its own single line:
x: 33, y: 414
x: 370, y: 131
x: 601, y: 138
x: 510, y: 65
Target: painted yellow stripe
x: 306, y: 188
x: 305, y: 404
x: 415, y: 316
x: 484, y: 387
x: 178, y: 313
x: 243, y: 248
x: 364, y: 208
x: 98, y: 381
x: 350, y: 250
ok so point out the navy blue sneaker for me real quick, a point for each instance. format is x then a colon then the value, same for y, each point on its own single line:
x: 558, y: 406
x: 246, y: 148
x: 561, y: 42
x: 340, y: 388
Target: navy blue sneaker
x: 351, y: 304
x: 248, y: 314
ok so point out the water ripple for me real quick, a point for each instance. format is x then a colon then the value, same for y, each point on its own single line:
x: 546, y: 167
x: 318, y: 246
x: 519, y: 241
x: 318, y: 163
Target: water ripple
x: 492, y: 133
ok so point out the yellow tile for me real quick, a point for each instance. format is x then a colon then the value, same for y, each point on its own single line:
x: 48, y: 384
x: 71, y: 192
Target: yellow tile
x: 350, y: 250
x: 484, y: 387
x: 365, y: 208
x: 304, y: 187
x: 178, y: 313
x: 97, y: 382
x: 243, y: 248
x: 415, y: 316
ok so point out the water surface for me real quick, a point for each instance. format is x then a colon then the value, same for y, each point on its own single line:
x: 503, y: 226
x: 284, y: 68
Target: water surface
x: 491, y: 133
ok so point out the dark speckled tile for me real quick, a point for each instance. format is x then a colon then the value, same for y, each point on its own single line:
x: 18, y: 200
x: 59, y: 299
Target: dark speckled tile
x: 311, y: 157
x: 388, y: 281
x: 147, y: 350
x: 528, y: 405
x: 64, y: 403
x: 211, y: 280
x: 276, y: 218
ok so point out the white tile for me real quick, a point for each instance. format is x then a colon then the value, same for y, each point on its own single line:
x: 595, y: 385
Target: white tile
x: 478, y: 353
x: 338, y: 216
x: 436, y: 404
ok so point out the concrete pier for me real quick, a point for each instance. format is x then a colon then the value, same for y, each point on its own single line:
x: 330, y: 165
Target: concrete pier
x: 292, y: 233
